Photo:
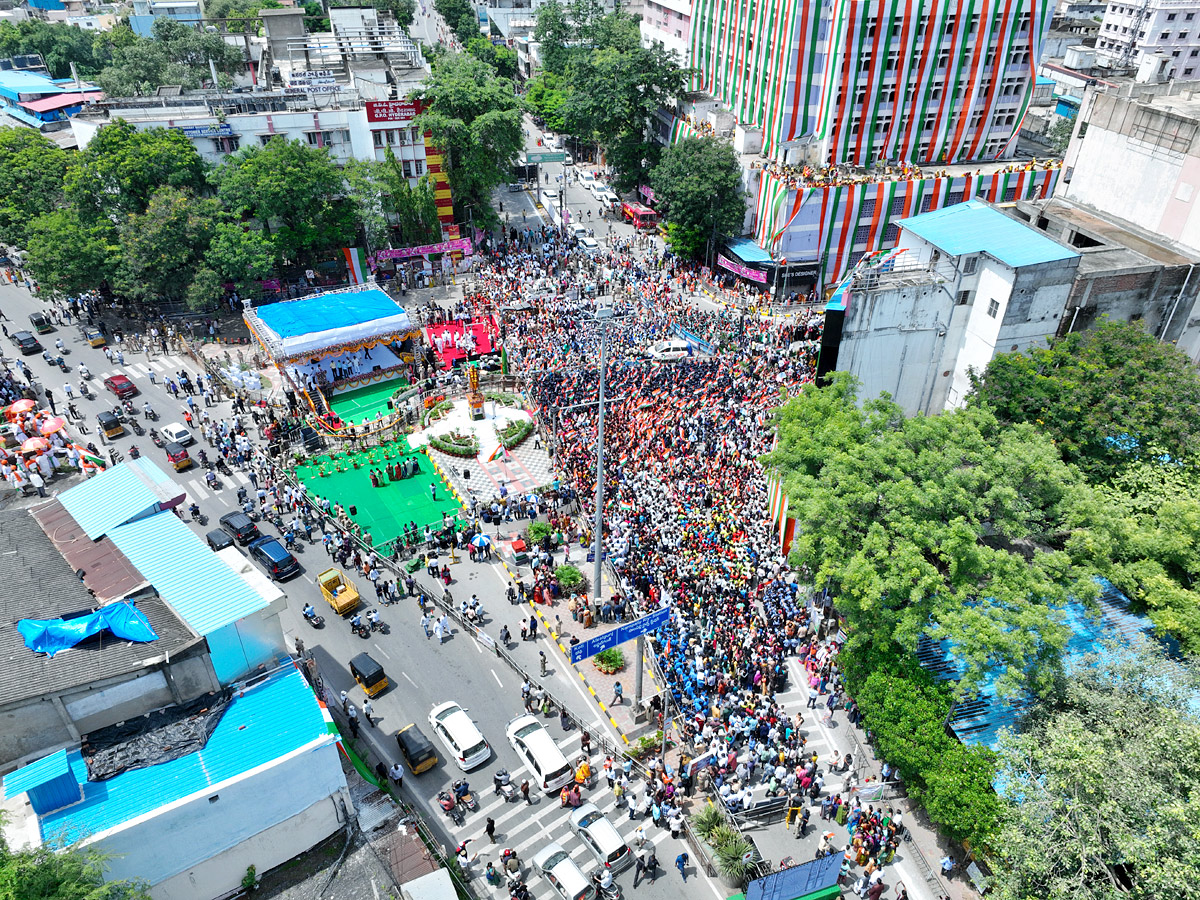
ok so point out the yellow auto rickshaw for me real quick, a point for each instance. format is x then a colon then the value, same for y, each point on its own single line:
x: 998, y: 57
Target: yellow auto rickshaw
x: 93, y: 336
x: 369, y: 674
x: 109, y: 425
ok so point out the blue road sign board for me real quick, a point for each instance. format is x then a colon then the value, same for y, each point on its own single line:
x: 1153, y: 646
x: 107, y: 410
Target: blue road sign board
x: 620, y: 635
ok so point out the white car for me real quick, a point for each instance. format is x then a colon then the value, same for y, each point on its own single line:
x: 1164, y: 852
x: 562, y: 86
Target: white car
x: 587, y: 180
x: 538, y: 751
x: 178, y: 433
x: 554, y: 864
x: 458, y: 733
x: 673, y: 349
x: 607, y: 197
x: 579, y: 231
x: 601, y: 837
x: 589, y: 245
x: 568, y: 159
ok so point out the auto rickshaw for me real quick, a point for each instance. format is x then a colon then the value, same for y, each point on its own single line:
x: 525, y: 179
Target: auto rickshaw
x: 94, y: 337
x: 177, y: 456
x: 368, y: 674
x: 416, y: 749
x: 109, y: 425
x: 40, y: 322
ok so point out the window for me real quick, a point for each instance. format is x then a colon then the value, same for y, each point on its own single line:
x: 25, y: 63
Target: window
x: 1189, y: 17
x: 1187, y: 71
x: 970, y: 264
x: 868, y: 208
x: 419, y: 167
x: 963, y: 298
x: 1183, y: 35
x: 407, y: 169
x: 1194, y: 53
x: 1164, y: 35
x: 1171, y: 17
x: 993, y: 308
x: 319, y: 138
x: 897, y: 206
x: 265, y: 138
x: 861, y: 234
x: 893, y: 232
x: 378, y: 137
x: 226, y: 144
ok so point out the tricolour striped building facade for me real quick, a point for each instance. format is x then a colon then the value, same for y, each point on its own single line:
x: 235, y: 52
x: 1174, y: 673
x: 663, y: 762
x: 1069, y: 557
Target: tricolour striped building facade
x: 855, y: 81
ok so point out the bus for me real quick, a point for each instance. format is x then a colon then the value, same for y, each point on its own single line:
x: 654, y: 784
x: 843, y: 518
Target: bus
x: 642, y: 217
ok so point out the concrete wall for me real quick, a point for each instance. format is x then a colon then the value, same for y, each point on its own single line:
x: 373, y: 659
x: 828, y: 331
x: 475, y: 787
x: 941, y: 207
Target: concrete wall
x: 199, y: 847
x: 30, y: 729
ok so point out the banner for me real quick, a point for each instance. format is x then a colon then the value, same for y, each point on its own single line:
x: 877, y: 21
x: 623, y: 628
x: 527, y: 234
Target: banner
x: 356, y: 264
x: 443, y: 247
x: 395, y: 111
x: 745, y: 271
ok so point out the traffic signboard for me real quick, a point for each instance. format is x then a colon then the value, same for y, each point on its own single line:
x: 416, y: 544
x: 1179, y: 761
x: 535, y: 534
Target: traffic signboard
x: 547, y: 156
x: 620, y: 635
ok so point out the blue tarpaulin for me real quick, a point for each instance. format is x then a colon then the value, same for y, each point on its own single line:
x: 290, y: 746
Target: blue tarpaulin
x: 51, y: 636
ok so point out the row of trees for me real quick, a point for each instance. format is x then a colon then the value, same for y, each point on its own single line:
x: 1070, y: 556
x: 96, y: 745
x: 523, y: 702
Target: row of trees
x: 141, y: 213
x: 977, y: 527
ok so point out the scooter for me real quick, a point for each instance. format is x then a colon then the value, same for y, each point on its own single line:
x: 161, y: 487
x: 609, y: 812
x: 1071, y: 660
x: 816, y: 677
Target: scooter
x: 449, y: 807
x: 157, y: 438
x: 150, y: 414
x: 517, y: 889
x: 134, y: 452
x: 502, y: 783
x: 137, y: 427
x: 361, y: 630
x: 464, y: 795
x: 62, y: 364
x: 315, y: 620
x: 83, y: 390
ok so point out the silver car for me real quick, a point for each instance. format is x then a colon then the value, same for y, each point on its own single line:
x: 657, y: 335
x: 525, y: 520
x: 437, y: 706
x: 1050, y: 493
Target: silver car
x: 601, y: 838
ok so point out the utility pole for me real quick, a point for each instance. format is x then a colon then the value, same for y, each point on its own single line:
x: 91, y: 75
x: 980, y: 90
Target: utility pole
x: 603, y: 316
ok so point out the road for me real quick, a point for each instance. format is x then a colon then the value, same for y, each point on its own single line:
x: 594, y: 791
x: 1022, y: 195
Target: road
x: 422, y: 673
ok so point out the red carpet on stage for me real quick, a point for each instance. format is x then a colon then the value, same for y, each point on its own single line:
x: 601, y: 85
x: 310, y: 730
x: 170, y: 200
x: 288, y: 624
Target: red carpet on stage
x: 482, y: 327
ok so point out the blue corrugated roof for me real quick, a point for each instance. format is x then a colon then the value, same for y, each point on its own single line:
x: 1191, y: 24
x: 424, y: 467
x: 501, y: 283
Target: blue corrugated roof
x: 267, y: 721
x: 798, y: 881
x: 979, y: 720
x: 199, y: 586
x: 325, y: 312
x: 976, y: 227
x: 36, y: 773
x: 29, y: 82
x: 102, y: 503
x: 748, y: 251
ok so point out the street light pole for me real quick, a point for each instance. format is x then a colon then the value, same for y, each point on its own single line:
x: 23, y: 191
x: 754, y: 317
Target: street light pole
x: 603, y: 314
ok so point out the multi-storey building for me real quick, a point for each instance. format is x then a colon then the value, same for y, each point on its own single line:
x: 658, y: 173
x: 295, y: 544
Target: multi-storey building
x: 1166, y: 30
x: 865, y: 112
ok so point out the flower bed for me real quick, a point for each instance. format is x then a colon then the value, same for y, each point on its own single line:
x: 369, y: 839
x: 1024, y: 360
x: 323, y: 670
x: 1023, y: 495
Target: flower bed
x: 456, y: 444
x: 514, y: 432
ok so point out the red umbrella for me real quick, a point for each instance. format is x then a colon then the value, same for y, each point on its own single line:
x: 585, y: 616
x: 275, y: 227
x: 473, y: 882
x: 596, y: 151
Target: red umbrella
x: 22, y: 406
x: 51, y: 425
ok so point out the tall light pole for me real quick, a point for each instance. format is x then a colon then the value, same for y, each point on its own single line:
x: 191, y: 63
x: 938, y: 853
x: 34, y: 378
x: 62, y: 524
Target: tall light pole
x: 603, y: 316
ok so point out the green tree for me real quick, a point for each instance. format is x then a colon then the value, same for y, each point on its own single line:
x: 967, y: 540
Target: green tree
x: 1103, y: 395
x: 403, y: 11
x: 1059, y: 135
x: 1102, y: 785
x: 460, y: 17
x: 698, y: 185
x: 50, y: 873
x: 32, y: 168
x: 475, y: 118
x: 59, y: 44
x: 241, y: 255
x: 545, y: 96
x: 553, y: 33
x: 384, y: 200
x: 503, y: 60
x: 206, y: 289
x: 177, y: 54
x: 162, y: 248
x: 67, y: 255
x: 295, y: 191
x: 949, y: 525
x: 122, y: 167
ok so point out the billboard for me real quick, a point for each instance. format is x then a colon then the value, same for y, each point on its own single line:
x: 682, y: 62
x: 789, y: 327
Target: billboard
x: 398, y: 112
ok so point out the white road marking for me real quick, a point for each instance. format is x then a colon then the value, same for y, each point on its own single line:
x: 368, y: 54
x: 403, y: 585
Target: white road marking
x: 497, y: 677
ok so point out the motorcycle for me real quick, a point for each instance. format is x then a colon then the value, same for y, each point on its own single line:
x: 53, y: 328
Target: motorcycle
x: 137, y: 427
x: 464, y: 795
x: 195, y: 513
x: 134, y: 452
x: 150, y: 413
x: 157, y: 438
x: 62, y: 364
x: 361, y: 630
x: 517, y: 889
x: 249, y: 509
x: 83, y: 390
x: 502, y: 783
x: 315, y: 620
x: 450, y: 807
x: 115, y: 456
x: 84, y: 372
x: 212, y: 481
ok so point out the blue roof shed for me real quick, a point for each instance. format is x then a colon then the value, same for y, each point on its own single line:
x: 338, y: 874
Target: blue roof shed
x: 977, y: 227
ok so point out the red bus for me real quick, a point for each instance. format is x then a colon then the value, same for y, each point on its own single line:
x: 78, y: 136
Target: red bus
x: 642, y: 217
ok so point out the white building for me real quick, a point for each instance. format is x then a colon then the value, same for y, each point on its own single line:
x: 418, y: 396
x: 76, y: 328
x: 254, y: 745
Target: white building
x: 969, y: 282
x: 668, y: 22
x: 1165, y: 31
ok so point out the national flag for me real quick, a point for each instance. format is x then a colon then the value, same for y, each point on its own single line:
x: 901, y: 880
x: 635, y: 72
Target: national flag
x: 356, y: 264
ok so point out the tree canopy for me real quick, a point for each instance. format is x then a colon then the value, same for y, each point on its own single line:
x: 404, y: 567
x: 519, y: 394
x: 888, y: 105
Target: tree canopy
x: 295, y: 192
x: 948, y: 525
x: 1106, y: 396
x: 698, y: 186
x: 1102, y: 785
x: 32, y: 168
x: 49, y: 873
x: 177, y: 54
x: 475, y: 119
x: 161, y: 248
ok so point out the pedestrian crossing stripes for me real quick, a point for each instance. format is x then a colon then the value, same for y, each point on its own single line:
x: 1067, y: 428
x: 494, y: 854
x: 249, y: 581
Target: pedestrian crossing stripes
x: 159, y: 365
x: 526, y: 829
x: 198, y: 490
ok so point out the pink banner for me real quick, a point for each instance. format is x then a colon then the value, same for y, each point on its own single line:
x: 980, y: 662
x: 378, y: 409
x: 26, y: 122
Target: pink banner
x: 745, y: 271
x: 443, y: 247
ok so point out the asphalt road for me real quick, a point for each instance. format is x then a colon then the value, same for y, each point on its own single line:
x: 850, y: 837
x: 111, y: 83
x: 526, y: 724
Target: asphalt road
x: 421, y: 672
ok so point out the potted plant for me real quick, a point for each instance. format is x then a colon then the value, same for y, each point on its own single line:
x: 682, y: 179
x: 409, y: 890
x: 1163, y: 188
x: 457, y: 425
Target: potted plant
x: 570, y: 579
x: 609, y: 661
x: 736, y: 859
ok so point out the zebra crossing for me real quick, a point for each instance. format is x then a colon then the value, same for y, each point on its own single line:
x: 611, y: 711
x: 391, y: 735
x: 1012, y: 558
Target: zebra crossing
x: 526, y: 829
x: 197, y: 490
x: 159, y: 365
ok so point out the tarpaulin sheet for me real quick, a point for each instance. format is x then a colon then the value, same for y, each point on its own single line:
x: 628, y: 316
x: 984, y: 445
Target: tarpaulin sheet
x: 155, y: 738
x: 51, y: 636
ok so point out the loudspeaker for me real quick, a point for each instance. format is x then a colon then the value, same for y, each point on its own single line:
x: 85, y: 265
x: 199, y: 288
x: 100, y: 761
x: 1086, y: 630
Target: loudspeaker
x: 353, y: 510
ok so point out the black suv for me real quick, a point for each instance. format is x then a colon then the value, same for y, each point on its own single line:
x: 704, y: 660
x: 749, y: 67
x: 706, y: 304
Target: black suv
x: 26, y: 342
x: 240, y: 526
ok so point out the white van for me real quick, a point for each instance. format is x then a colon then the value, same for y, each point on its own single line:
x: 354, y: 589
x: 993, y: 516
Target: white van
x: 587, y: 180
x: 538, y: 751
x: 674, y: 349
x: 460, y: 736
